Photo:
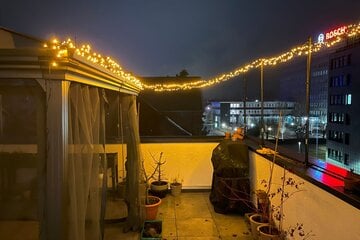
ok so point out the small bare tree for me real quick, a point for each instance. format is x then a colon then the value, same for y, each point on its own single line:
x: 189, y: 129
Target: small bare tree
x: 148, y: 177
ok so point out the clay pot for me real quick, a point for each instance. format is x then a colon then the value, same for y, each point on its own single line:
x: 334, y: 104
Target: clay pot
x: 151, y: 208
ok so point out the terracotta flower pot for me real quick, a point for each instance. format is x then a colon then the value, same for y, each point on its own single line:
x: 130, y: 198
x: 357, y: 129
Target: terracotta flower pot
x: 151, y: 208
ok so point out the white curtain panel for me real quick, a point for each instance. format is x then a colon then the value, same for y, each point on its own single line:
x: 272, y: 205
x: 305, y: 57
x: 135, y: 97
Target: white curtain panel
x: 83, y: 167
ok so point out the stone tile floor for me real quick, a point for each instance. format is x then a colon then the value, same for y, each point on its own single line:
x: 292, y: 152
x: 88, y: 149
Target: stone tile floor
x: 189, y: 217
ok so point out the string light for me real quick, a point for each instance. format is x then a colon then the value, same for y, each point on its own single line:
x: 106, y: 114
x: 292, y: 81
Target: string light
x: 64, y: 48
x: 106, y: 62
x: 352, y: 30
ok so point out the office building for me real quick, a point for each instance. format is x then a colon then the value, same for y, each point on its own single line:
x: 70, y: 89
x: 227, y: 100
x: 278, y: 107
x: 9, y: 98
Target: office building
x: 344, y: 109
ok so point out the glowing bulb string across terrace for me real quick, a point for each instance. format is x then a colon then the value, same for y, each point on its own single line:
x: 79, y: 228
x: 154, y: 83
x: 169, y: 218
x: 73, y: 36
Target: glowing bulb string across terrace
x: 111, y: 65
x: 352, y: 30
x: 64, y: 48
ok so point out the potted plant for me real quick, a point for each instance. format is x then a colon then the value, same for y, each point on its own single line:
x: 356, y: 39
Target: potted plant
x: 274, y: 214
x: 261, y: 214
x: 263, y: 196
x: 274, y: 228
x: 152, y: 203
x: 176, y: 186
x: 159, y: 187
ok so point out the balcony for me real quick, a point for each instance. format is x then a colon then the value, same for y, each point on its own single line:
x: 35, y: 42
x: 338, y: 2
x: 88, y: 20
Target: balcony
x: 323, y: 196
x: 54, y: 176
x: 191, y: 215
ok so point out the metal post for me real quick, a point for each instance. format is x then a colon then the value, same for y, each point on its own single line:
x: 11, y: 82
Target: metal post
x: 245, y: 92
x: 262, y: 130
x: 308, y: 66
x: 57, y: 115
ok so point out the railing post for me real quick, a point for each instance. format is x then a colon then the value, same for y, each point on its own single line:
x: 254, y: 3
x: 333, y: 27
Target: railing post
x: 262, y: 130
x: 308, y: 72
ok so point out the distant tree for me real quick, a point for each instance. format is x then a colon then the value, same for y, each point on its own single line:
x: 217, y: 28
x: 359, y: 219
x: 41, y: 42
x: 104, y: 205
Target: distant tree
x: 183, y: 73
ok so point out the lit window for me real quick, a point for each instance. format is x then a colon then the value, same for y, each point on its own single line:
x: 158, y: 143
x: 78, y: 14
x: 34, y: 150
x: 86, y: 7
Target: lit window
x: 232, y: 119
x: 348, y: 99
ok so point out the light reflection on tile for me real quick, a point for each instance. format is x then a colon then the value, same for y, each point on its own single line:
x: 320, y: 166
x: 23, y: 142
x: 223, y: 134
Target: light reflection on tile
x: 167, y: 208
x: 191, y: 217
x: 169, y: 227
x: 169, y: 238
x: 192, y: 211
x: 192, y: 205
x: 196, y: 227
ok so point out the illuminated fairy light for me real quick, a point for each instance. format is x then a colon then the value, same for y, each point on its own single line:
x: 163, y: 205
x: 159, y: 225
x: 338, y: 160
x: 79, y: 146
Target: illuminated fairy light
x: 64, y: 48
x: 85, y: 52
x: 302, y: 50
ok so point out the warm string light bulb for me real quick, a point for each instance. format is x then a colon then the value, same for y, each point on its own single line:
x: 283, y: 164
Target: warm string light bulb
x: 85, y: 52
x: 106, y: 62
x: 352, y: 30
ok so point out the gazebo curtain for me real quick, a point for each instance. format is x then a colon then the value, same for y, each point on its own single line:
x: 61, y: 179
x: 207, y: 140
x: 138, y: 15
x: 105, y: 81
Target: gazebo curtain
x: 134, y: 190
x: 22, y: 158
x: 84, y: 163
x: 87, y: 162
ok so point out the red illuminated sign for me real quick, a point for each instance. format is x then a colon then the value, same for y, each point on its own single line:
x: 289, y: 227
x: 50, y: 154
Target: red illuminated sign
x: 336, y: 32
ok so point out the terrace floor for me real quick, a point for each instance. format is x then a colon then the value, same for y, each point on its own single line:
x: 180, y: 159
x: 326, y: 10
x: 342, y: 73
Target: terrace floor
x: 189, y: 216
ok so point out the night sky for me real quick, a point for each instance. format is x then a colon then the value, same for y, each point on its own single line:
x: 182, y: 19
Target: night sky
x: 162, y: 37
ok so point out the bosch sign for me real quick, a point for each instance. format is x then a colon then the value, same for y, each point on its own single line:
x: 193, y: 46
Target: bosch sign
x: 331, y: 34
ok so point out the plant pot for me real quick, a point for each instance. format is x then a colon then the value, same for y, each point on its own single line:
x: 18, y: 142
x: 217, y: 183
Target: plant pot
x: 151, y: 230
x: 255, y: 221
x: 159, y: 188
x: 151, y: 207
x: 175, y: 189
x: 159, y: 185
x: 268, y: 232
